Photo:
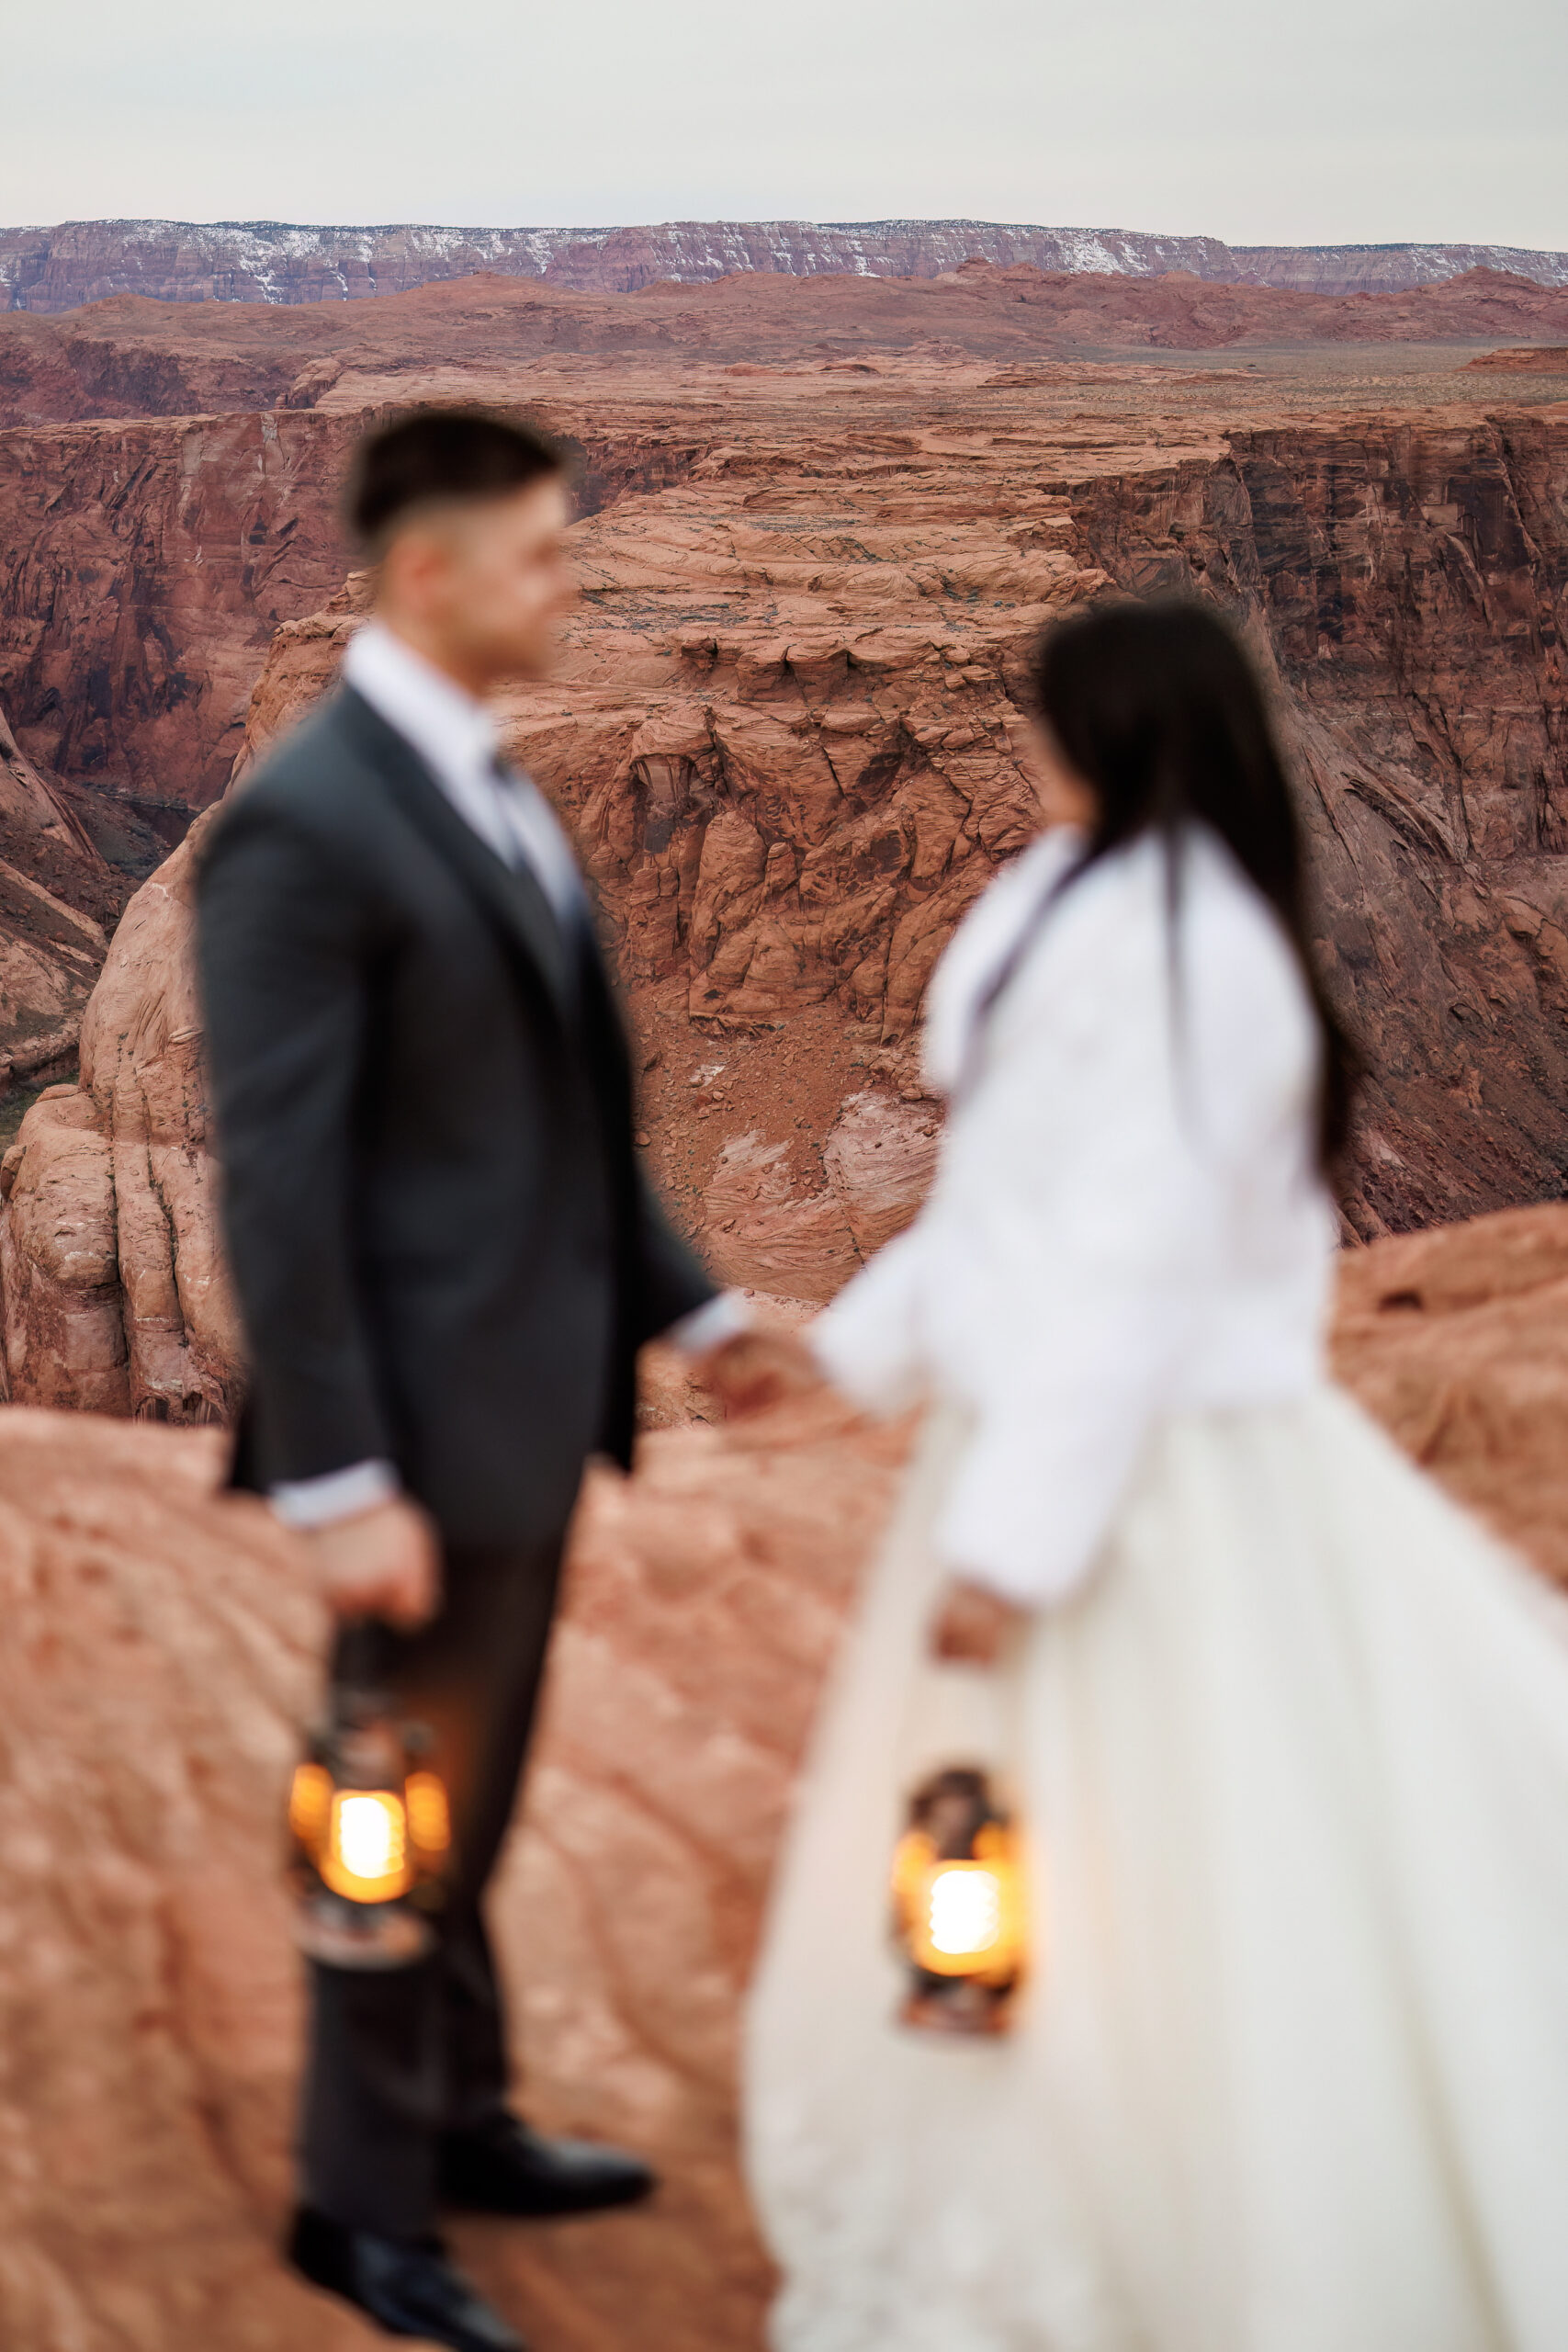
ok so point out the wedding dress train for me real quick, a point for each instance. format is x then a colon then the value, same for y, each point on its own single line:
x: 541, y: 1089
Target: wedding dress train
x: 1292, y: 2075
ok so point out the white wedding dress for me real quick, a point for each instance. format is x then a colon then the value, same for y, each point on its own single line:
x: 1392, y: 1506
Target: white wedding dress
x: 1287, y: 1732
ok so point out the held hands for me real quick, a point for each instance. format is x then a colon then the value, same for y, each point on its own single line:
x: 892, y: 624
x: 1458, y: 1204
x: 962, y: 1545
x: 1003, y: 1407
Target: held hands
x: 758, y: 1369
x: 973, y: 1626
x: 381, y: 1562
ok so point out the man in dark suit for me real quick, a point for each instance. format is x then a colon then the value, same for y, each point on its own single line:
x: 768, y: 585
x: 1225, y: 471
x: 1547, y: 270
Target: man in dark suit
x: 446, y: 1258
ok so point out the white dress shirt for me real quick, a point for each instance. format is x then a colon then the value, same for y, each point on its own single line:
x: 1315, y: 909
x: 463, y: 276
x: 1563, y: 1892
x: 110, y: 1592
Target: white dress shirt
x: 1127, y: 1220
x: 456, y: 737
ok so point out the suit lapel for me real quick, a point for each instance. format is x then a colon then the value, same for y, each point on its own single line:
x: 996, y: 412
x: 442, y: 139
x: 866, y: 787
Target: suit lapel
x: 510, y: 896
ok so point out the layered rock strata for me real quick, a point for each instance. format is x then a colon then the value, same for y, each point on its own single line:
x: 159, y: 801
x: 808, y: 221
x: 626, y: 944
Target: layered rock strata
x: 129, y: 356
x: 52, y: 269
x: 161, y: 1658
x: 787, y: 733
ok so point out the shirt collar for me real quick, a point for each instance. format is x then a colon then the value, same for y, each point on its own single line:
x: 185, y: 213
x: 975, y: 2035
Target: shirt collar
x: 444, y: 724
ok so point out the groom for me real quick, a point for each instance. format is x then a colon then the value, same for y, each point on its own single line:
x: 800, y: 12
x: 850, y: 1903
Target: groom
x: 446, y: 1259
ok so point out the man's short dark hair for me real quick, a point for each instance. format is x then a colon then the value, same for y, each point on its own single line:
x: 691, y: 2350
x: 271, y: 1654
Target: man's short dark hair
x: 434, y: 455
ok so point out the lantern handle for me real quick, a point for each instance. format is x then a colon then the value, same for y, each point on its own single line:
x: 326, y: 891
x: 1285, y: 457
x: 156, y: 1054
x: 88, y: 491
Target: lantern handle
x: 362, y: 1657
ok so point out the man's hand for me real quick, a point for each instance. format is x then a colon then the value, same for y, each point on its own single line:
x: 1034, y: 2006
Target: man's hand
x: 972, y: 1625
x: 758, y: 1369
x: 381, y: 1562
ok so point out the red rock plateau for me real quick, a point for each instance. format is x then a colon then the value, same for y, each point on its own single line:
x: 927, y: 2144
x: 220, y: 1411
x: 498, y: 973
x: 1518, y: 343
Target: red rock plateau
x: 1528, y: 359
x: 131, y: 355
x: 160, y: 1659
x: 267, y: 260
x: 817, y: 539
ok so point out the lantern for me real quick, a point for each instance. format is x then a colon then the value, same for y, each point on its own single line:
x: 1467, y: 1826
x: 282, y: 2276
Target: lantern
x: 958, y: 1906
x: 369, y: 1826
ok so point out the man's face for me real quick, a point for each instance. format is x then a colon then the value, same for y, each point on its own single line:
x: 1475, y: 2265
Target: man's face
x: 485, y: 584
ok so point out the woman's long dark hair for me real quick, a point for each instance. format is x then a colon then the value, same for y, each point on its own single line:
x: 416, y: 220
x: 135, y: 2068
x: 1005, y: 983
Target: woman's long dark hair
x: 1156, y: 708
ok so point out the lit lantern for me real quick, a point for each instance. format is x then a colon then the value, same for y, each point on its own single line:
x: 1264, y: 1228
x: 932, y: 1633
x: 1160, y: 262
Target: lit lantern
x: 371, y: 1834
x: 958, y: 1906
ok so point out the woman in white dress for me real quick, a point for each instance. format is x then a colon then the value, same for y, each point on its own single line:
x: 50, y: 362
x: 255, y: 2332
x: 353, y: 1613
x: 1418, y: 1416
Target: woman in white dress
x: 1287, y: 1733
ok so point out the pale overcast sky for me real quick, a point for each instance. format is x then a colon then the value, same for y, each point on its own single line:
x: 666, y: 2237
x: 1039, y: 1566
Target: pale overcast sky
x: 1309, y: 121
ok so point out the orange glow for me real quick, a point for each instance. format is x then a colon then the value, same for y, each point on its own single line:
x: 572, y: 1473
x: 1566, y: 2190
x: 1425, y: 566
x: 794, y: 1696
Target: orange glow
x: 366, y: 1853
x: 310, y: 1806
x: 430, y: 1818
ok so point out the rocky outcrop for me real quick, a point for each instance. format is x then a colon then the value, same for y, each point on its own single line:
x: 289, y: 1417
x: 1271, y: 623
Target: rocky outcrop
x: 1528, y: 359
x: 56, y: 893
x: 54, y: 269
x: 110, y: 1267
x: 160, y: 1658
x: 1457, y: 1341
x: 158, y: 1665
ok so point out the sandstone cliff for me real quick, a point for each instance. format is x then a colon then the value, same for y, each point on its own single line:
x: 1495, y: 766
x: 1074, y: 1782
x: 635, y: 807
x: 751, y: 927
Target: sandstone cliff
x: 178, y: 261
x: 787, y: 727
x: 786, y: 735
x: 160, y: 1658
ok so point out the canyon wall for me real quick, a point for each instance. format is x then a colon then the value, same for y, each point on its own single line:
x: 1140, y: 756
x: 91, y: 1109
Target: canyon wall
x: 160, y: 1656
x: 788, y: 725
x: 157, y: 557
x: 153, y: 562
x: 1409, y: 583
x: 51, y: 269
x: 786, y: 733
x: 57, y: 892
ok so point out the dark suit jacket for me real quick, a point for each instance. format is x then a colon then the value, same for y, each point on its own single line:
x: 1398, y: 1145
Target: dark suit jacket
x: 443, y: 1250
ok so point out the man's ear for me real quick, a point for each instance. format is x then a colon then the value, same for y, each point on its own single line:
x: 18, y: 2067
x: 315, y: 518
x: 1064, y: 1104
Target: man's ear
x: 412, y: 565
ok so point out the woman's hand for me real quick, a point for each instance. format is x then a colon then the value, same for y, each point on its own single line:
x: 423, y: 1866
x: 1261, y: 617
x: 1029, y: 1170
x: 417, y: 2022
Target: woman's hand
x: 759, y: 1369
x: 972, y: 1625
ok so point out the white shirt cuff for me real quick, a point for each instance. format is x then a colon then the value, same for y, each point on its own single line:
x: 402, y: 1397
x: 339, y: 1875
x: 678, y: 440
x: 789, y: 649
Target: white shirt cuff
x: 304, y: 1503
x: 709, y: 1326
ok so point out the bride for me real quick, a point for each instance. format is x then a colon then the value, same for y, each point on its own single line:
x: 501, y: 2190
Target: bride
x: 1285, y: 1733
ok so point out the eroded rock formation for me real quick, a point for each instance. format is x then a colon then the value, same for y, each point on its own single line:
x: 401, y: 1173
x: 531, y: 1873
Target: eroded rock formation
x: 110, y: 1267
x: 56, y: 893
x: 160, y: 1658
x: 788, y: 727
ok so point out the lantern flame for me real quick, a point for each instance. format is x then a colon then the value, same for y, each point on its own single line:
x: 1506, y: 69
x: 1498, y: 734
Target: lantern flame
x: 965, y: 1910
x: 367, y: 1855
x: 369, y: 1835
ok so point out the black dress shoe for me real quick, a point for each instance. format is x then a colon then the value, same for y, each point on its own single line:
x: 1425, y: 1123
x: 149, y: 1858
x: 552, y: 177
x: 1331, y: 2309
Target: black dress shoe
x: 407, y: 2289
x: 504, y: 2167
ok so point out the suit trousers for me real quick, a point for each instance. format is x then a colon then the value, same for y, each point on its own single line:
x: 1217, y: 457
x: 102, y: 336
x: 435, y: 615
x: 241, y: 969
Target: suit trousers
x: 399, y: 2058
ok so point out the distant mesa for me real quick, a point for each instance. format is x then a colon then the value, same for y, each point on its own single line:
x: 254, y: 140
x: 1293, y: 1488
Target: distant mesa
x: 61, y: 268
